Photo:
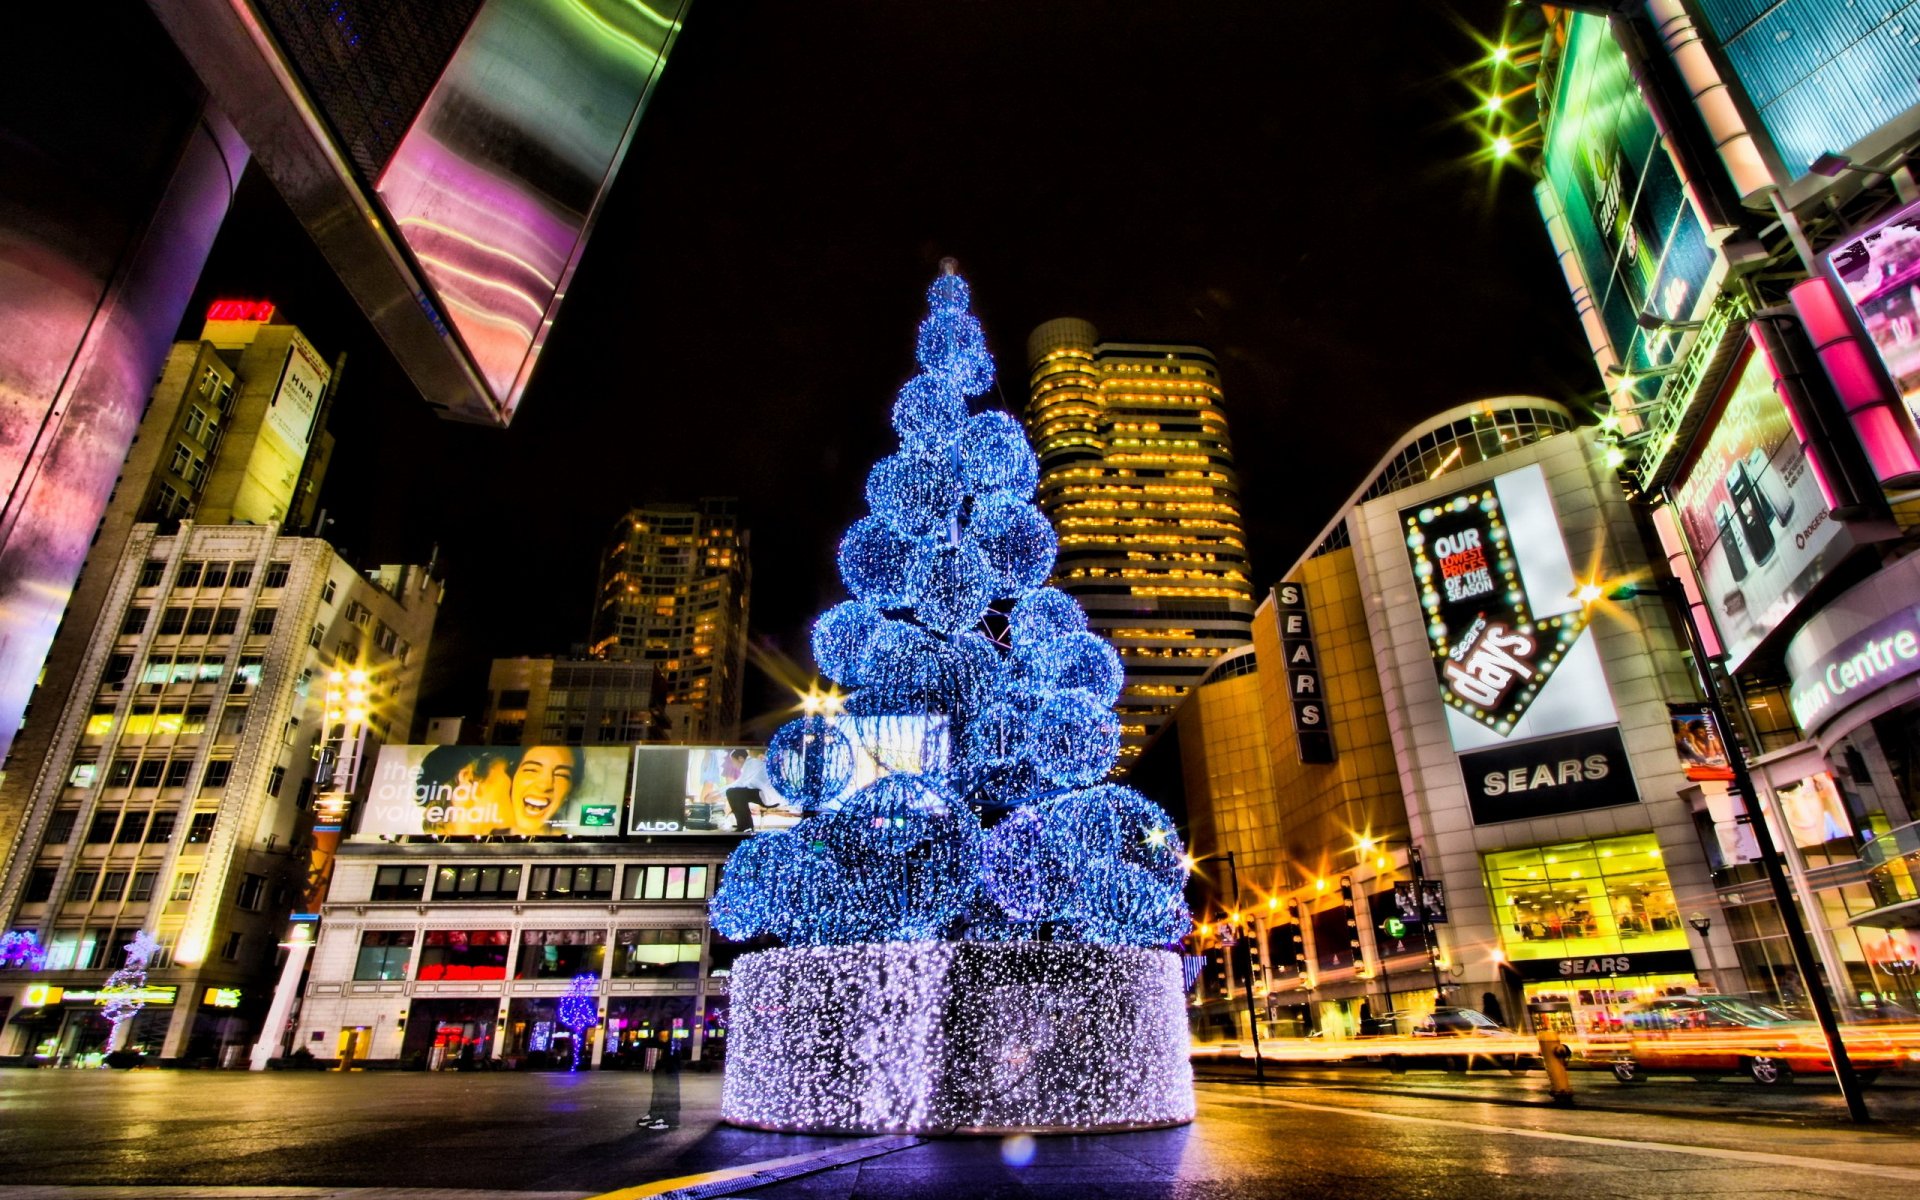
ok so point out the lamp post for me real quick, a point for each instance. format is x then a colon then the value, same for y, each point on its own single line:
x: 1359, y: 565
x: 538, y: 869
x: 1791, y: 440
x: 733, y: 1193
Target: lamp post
x: 1771, y: 859
x: 1253, y: 1018
x: 1701, y: 922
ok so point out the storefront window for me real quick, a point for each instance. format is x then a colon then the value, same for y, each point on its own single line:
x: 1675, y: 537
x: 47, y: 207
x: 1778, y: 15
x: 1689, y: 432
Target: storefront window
x: 465, y: 954
x: 1584, y: 899
x: 661, y: 953
x: 384, y: 954
x: 666, y: 883
x: 561, y: 953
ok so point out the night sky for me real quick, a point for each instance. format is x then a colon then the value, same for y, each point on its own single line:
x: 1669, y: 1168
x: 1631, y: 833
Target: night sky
x: 1290, y: 185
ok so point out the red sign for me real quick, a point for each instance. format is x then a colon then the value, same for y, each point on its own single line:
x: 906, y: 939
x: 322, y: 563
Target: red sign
x: 240, y: 310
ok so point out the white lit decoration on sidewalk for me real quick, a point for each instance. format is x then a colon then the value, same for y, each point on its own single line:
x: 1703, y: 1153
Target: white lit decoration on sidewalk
x: 978, y: 939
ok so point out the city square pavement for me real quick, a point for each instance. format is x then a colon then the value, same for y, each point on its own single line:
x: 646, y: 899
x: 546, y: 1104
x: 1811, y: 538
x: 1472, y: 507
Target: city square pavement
x: 99, y: 1135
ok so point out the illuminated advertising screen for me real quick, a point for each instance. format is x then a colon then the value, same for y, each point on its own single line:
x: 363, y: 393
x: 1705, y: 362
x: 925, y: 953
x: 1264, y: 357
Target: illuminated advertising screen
x: 1640, y: 244
x: 1528, y: 709
x: 1880, y: 272
x: 480, y: 791
x: 726, y: 789
x: 705, y: 789
x: 1751, y: 510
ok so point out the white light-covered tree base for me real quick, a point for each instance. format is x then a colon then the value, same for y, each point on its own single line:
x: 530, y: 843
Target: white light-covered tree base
x: 957, y: 1037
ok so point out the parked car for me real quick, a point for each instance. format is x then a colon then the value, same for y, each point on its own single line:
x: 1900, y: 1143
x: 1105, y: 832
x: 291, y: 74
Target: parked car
x: 1712, y: 1036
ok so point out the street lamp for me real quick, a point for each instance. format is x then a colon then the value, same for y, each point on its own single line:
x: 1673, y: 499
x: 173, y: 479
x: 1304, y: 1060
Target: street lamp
x: 1701, y: 922
x: 1253, y: 1018
x: 1771, y: 860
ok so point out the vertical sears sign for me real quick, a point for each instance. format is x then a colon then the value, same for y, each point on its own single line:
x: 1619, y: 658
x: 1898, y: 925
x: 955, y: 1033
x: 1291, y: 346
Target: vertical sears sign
x: 1311, y: 728
x: 1527, y: 701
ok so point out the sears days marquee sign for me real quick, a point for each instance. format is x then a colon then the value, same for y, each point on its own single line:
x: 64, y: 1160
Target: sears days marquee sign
x: 1502, y: 621
x: 1491, y: 654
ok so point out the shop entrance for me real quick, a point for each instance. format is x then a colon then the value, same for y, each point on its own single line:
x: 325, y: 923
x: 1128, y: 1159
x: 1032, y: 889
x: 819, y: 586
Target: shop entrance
x: 355, y: 1044
x: 637, y: 1024
x: 450, y: 1034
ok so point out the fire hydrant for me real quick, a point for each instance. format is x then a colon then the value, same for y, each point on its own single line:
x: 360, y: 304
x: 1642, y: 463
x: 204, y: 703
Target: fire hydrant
x: 1554, y: 1057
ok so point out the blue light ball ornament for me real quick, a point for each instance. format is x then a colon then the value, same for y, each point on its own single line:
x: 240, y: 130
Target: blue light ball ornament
x: 979, y: 669
x: 952, y: 585
x: 929, y: 412
x: 1074, y: 738
x: 915, y: 494
x: 904, y: 857
x: 840, y: 636
x: 952, y: 345
x: 810, y: 762
x: 1073, y: 660
x: 1019, y: 542
x: 874, y: 561
x: 1044, y: 614
x: 995, y: 456
x: 899, y: 666
x: 763, y: 891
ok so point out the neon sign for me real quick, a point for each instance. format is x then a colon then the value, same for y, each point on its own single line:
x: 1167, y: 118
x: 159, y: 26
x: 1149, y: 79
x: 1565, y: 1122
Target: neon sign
x: 241, y: 310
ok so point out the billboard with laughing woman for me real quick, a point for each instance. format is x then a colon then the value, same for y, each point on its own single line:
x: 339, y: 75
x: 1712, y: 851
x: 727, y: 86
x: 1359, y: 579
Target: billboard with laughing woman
x: 485, y: 791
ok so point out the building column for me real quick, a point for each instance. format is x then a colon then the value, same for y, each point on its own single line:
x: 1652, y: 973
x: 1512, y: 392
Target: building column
x: 180, y: 1028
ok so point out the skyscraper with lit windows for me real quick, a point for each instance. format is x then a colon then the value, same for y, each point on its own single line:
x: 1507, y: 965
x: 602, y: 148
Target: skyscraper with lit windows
x: 1136, y: 474
x: 673, y: 593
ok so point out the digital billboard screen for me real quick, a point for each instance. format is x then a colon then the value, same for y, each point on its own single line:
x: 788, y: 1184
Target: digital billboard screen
x: 1641, y: 246
x: 1528, y: 708
x: 705, y: 789
x: 726, y: 789
x: 1880, y: 271
x: 1751, y: 510
x: 481, y: 791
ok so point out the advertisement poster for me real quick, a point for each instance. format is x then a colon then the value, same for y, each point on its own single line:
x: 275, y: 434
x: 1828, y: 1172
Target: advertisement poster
x: 1697, y: 743
x: 1815, y: 811
x: 1880, y: 271
x: 1752, y: 512
x: 483, y: 791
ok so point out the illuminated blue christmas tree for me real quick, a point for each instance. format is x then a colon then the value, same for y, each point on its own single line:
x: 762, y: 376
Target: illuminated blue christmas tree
x: 997, y: 825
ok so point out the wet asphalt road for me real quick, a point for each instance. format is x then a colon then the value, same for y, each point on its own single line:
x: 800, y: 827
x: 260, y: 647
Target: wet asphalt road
x: 1330, y: 1133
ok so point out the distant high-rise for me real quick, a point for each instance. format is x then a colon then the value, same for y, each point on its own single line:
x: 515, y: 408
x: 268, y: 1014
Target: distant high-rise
x: 1136, y: 474
x: 673, y: 592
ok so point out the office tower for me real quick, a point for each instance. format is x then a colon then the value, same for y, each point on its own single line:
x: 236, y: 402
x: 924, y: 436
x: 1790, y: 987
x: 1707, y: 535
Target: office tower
x: 1136, y: 474
x: 571, y: 701
x: 173, y: 796
x: 232, y: 435
x: 674, y: 587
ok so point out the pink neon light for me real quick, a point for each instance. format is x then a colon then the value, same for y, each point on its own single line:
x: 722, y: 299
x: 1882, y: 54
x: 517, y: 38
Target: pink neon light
x: 1878, y: 416
x: 1672, y: 545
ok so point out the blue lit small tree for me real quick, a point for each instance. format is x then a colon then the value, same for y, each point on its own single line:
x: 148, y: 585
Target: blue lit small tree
x: 580, y: 1011
x: 1002, y: 829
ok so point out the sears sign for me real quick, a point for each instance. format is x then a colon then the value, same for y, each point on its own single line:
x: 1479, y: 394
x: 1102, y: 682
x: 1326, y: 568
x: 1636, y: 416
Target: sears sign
x: 1570, y: 773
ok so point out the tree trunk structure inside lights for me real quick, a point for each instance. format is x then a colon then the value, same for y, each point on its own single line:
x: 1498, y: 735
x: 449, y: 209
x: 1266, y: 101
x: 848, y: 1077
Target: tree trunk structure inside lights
x: 976, y: 940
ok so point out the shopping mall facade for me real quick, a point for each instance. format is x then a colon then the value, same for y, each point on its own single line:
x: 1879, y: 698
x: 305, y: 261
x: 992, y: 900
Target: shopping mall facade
x: 1742, y: 257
